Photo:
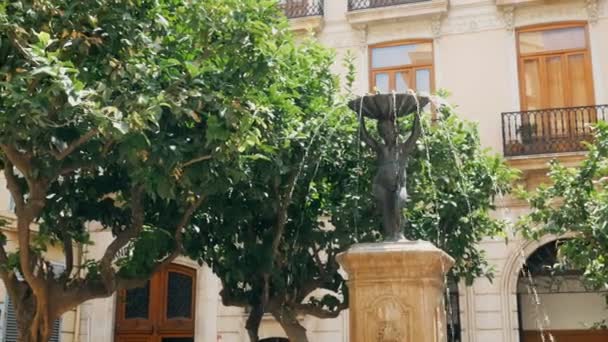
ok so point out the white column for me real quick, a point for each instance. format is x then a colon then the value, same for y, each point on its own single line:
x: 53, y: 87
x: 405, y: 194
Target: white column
x: 207, y: 300
x: 597, y: 40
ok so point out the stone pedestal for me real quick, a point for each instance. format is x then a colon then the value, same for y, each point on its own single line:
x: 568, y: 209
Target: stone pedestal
x: 396, y: 291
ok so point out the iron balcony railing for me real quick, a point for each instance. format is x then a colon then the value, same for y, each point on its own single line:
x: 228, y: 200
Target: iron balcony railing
x: 354, y: 5
x: 549, y: 130
x: 302, y: 8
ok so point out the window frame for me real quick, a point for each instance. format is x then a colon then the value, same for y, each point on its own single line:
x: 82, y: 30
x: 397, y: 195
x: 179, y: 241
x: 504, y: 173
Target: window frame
x: 409, y: 68
x: 157, y: 324
x: 564, y: 53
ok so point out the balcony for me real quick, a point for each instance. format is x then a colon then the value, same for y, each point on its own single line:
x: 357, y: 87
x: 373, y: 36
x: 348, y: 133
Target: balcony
x: 549, y: 131
x: 302, y: 8
x: 303, y: 14
x: 364, y: 12
x: 354, y: 5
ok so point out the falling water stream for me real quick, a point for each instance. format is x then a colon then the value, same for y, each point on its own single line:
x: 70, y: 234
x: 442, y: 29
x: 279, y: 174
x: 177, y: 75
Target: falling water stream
x: 541, y: 317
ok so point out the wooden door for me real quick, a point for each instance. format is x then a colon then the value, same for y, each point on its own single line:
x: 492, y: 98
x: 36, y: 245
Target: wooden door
x: 555, y: 81
x: 567, y: 336
x: 558, y: 81
x: 161, y: 311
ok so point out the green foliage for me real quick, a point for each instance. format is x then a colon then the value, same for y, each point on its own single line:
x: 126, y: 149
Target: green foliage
x: 575, y: 204
x: 159, y: 87
x: 127, y: 114
x: 451, y: 182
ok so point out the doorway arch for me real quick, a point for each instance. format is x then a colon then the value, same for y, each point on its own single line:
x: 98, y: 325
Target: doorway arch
x: 161, y: 311
x: 530, y: 279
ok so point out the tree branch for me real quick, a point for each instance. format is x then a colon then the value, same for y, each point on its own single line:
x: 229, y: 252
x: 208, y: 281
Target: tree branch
x: 196, y: 160
x: 319, y: 312
x: 75, y: 144
x: 18, y: 159
x: 68, y: 250
x: 13, y: 185
x: 123, y: 237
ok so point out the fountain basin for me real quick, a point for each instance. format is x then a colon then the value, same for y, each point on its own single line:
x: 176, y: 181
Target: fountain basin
x: 383, y: 106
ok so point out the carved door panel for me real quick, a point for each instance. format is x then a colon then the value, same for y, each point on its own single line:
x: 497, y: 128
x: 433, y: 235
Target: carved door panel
x: 161, y: 311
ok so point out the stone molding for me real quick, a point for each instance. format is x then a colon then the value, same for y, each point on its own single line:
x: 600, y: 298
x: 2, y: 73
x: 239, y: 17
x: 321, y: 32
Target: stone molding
x: 365, y: 17
x: 303, y: 24
x: 508, y: 283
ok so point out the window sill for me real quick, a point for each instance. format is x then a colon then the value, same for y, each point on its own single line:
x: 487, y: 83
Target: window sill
x: 303, y: 24
x: 364, y: 17
x: 536, y: 162
x: 500, y: 3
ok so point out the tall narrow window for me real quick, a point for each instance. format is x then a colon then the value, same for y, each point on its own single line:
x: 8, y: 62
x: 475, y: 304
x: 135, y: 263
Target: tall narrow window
x: 402, y: 66
x: 555, y: 72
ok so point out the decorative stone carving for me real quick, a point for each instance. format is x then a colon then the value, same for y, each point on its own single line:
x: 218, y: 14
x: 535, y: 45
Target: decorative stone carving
x: 436, y: 25
x: 508, y: 15
x: 593, y: 10
x: 389, y: 320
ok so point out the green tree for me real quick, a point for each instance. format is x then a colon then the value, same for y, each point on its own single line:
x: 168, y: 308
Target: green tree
x: 574, y: 203
x: 273, y: 240
x: 126, y: 113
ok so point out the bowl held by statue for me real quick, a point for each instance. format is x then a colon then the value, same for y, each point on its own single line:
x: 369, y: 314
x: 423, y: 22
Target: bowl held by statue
x: 384, y: 106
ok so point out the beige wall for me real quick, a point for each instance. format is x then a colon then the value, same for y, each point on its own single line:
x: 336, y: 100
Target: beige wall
x: 475, y: 59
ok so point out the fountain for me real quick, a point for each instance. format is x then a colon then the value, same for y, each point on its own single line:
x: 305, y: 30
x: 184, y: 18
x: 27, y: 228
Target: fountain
x: 396, y: 286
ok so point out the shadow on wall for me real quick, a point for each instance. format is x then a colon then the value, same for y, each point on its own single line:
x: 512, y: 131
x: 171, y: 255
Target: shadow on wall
x: 274, y: 339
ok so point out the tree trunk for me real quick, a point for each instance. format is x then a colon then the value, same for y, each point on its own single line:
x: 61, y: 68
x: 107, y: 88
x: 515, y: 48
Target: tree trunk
x: 294, y: 330
x: 33, y: 321
x: 253, y: 323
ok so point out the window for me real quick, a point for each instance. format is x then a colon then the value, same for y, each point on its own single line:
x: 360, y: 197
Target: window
x: 555, y: 72
x: 402, y: 66
x: 555, y: 67
x: 162, y: 310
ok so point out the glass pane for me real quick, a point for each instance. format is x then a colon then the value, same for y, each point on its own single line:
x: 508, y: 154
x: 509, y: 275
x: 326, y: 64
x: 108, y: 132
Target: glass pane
x: 551, y: 40
x: 179, y: 296
x: 382, y: 83
x: 532, y: 84
x: 423, y: 81
x: 137, y: 302
x: 581, y: 94
x: 402, y: 55
x: 178, y: 339
x: 401, y: 82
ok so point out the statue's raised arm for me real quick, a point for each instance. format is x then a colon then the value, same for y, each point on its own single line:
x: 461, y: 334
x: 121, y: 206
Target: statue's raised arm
x: 389, y: 181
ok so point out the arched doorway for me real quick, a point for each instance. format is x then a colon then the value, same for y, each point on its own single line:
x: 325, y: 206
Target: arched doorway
x: 161, y: 311
x: 555, y: 301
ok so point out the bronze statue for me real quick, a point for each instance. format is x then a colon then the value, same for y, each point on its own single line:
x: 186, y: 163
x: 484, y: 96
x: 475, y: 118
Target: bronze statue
x: 391, y: 155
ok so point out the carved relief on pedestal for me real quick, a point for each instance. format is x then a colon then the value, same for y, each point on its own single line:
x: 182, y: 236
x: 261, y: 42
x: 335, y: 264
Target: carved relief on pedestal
x: 388, y: 321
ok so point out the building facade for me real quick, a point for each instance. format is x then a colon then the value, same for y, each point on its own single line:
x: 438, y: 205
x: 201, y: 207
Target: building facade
x: 531, y: 73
